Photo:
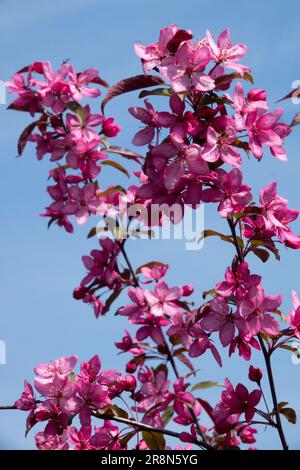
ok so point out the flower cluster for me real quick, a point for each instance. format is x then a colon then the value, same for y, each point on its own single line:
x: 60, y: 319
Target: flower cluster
x: 67, y: 131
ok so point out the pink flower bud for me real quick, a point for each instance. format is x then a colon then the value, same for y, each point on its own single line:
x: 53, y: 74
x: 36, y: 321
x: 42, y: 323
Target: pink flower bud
x: 79, y: 293
x: 187, y: 290
x: 131, y: 367
x: 255, y: 374
x: 110, y: 128
x: 130, y: 383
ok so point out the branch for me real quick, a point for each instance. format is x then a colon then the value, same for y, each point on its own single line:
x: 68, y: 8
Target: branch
x: 147, y: 427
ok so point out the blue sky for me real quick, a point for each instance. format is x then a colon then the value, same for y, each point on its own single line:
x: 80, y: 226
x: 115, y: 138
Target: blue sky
x: 39, y: 268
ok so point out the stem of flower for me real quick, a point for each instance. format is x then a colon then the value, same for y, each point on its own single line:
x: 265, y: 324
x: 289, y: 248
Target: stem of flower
x: 273, y: 393
x: 264, y: 351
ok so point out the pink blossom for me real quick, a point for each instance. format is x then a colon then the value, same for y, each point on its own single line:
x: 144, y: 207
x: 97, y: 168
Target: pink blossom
x: 82, y: 137
x: 106, y: 437
x: 255, y: 375
x: 201, y: 343
x: 155, y: 272
x: 225, y: 53
x: 185, y: 69
x: 237, y: 283
x: 294, y: 316
x: 255, y: 101
x: 239, y: 400
x: 220, y: 147
x: 262, y: 131
x: 229, y: 191
x: 154, y: 391
x: 219, y: 319
x: 153, y: 54
x: 62, y: 367
x: 152, y: 119
x: 79, y: 81
x: 252, y: 310
x: 81, y: 439
x: 163, y: 300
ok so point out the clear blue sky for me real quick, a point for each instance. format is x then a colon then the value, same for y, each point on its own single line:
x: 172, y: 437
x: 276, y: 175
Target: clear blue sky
x: 39, y: 268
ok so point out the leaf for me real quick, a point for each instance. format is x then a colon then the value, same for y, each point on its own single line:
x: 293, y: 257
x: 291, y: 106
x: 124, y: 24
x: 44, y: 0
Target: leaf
x: 296, y: 119
x: 263, y: 255
x: 117, y: 411
x: 213, y: 233
x: 292, y: 94
x: 268, y: 245
x: 167, y: 415
x: 289, y: 414
x: 180, y: 36
x: 157, y: 91
x: 130, y: 84
x: 154, y: 440
x: 206, y: 384
x: 289, y: 348
x: 124, y: 153
x: 115, y: 165
x: 24, y: 136
x: 124, y: 441
x: 227, y: 78
x: 149, y: 265
x: 115, y: 294
x: 210, y: 292
x: 208, y: 408
x: 185, y: 360
x: 113, y: 189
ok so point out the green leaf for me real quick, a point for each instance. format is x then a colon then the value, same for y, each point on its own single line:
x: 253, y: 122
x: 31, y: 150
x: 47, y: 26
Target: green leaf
x: 210, y: 292
x: 167, y: 415
x: 115, y: 165
x: 154, y: 440
x: 156, y: 91
x: 185, y: 360
x: 206, y: 384
x: 124, y: 441
x: 227, y: 78
x: 113, y: 189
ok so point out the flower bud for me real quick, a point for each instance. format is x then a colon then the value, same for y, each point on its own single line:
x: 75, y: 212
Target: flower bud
x: 131, y: 367
x: 130, y: 383
x: 110, y: 128
x: 255, y: 375
x: 187, y: 290
x: 79, y: 293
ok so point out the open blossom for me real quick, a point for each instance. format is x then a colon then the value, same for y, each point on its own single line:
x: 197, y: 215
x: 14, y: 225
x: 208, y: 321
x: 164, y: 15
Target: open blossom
x: 163, y: 300
x: 237, y: 401
x: 81, y: 136
x: 152, y: 119
x: 225, y: 53
x: 153, y: 54
x: 294, y: 316
x: 252, y: 310
x: 237, y: 283
x: 277, y: 216
x: 219, y: 319
x: 154, y: 391
x: 232, y: 195
x: 254, y: 101
x: 262, y: 130
x: 221, y: 146
x: 185, y: 68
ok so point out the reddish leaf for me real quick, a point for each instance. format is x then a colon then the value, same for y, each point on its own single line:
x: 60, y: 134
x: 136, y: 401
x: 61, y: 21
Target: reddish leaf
x: 177, y: 39
x: 124, y: 153
x: 24, y: 136
x: 263, y: 255
x: 35, y: 67
x: 130, y: 84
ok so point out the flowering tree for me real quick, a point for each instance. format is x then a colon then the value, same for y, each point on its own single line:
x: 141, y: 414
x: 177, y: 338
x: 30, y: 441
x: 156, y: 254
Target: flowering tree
x: 194, y: 155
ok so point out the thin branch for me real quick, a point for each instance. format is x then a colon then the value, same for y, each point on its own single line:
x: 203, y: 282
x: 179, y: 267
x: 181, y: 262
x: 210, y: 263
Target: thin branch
x: 147, y: 427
